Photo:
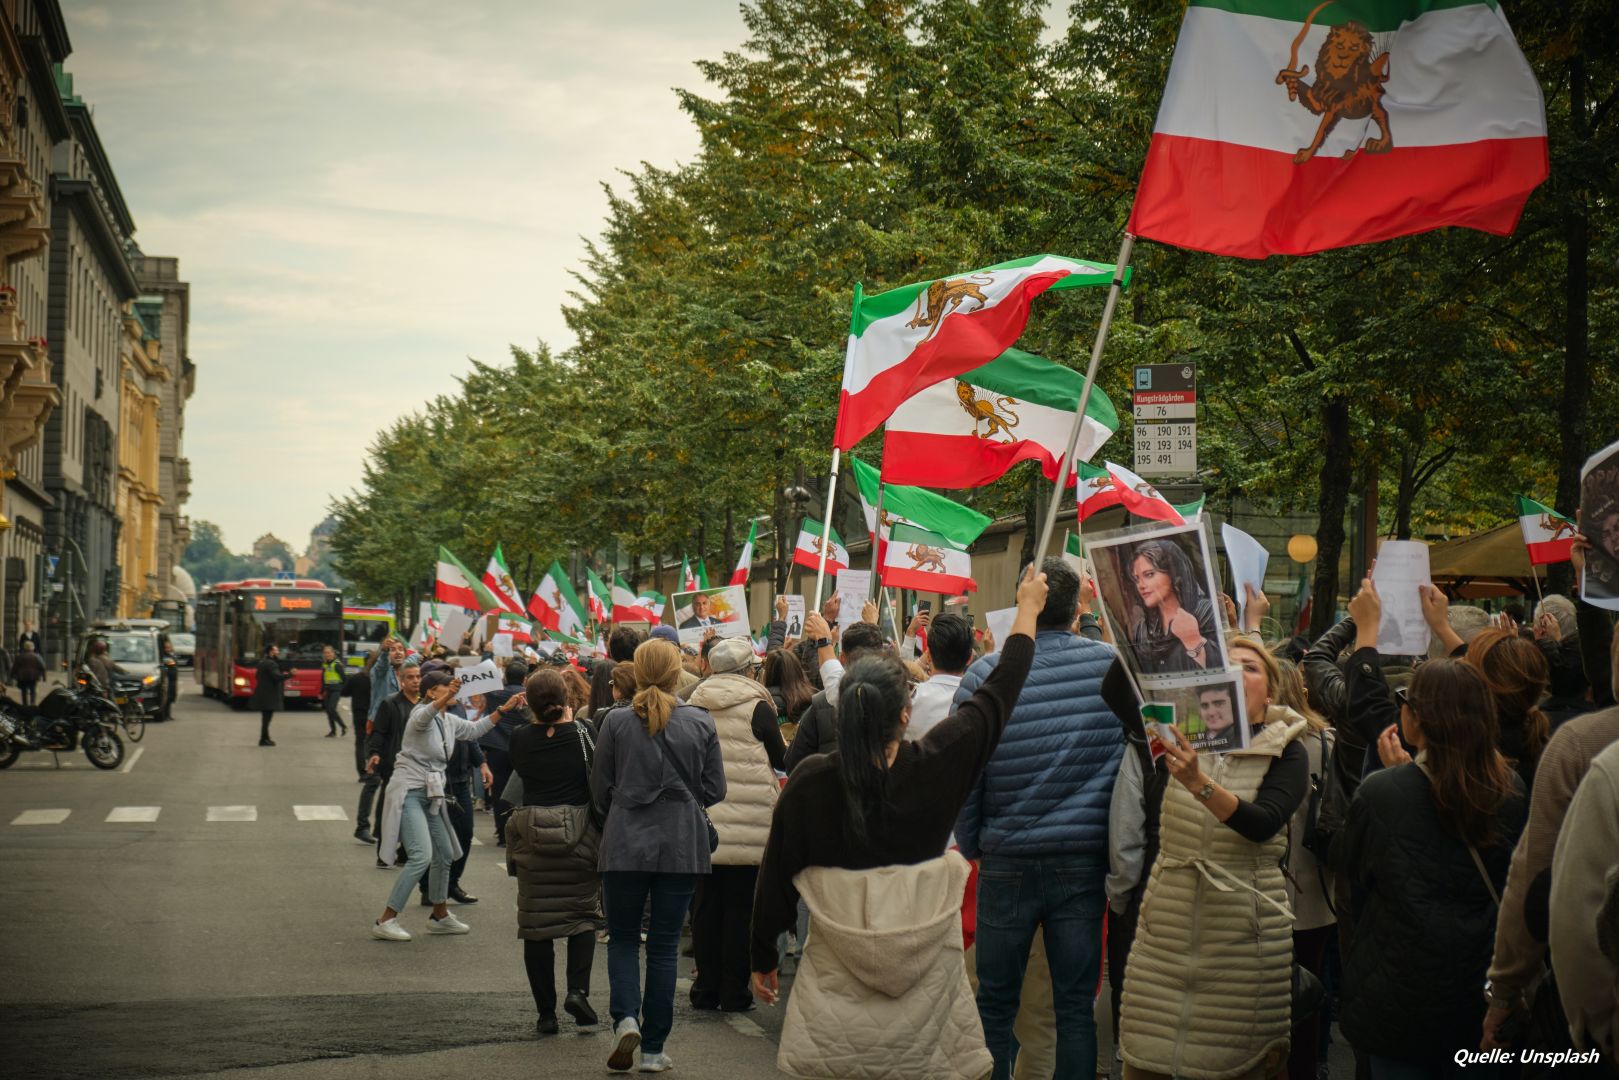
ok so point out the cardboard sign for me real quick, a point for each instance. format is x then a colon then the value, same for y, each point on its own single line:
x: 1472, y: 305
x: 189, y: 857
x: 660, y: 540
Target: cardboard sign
x: 480, y: 678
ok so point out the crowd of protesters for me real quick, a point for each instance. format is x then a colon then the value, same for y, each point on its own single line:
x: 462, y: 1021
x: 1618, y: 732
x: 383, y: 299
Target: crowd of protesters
x: 988, y: 867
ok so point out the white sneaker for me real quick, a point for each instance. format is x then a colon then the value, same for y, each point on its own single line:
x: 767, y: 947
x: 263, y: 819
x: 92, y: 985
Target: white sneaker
x: 389, y: 931
x: 656, y: 1063
x: 447, y: 925
x: 627, y: 1032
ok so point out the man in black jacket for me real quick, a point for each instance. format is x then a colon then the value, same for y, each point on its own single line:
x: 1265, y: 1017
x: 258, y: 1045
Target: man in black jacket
x: 818, y: 728
x: 497, y: 742
x: 387, y: 733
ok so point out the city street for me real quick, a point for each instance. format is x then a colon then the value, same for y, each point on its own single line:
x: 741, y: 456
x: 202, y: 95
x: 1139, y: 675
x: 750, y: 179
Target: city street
x: 204, y: 911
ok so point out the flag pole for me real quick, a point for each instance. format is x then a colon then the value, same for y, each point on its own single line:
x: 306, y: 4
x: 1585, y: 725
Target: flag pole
x: 1066, y: 464
x: 1534, y: 572
x: 826, y: 527
x: 832, y: 483
x: 877, y: 538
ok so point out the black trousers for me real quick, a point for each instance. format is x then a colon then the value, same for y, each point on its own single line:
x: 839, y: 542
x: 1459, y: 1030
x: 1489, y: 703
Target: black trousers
x: 359, y: 749
x: 719, y: 937
x: 26, y: 689
x: 539, y: 959
x: 368, y: 796
x: 264, y: 723
x: 334, y: 720
x: 500, y: 767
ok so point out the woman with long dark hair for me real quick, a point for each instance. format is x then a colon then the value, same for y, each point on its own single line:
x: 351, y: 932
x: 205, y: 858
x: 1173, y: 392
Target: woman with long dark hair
x: 789, y: 687
x: 552, y: 843
x: 1425, y: 848
x: 1175, y: 626
x: 860, y: 831
x: 601, y: 691
x: 1516, y: 673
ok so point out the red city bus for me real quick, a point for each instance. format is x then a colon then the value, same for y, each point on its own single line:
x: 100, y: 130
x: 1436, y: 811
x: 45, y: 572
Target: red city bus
x: 238, y: 620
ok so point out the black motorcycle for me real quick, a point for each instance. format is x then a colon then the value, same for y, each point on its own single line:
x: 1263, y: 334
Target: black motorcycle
x: 67, y: 719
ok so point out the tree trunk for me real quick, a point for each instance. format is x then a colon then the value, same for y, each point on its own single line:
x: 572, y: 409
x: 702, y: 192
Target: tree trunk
x: 1331, y: 504
x: 1573, y: 411
x: 729, y: 548
x: 1406, y: 495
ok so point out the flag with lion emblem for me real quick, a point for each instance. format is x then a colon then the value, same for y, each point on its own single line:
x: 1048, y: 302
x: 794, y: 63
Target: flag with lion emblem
x: 911, y: 337
x: 967, y: 431
x: 1290, y: 126
x: 927, y: 562
x: 497, y: 578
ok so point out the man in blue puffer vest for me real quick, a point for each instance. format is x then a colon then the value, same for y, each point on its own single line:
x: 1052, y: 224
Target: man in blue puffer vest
x: 1037, y: 820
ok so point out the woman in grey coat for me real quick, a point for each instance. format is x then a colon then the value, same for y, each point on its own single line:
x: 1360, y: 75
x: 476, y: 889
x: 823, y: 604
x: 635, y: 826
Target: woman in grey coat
x: 552, y: 843
x: 657, y: 767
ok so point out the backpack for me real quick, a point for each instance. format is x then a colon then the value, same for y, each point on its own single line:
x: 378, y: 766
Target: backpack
x: 1327, y: 806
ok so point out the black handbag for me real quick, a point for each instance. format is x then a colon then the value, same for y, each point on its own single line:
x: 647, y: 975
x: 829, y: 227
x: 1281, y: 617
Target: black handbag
x: 1308, y: 994
x: 691, y: 789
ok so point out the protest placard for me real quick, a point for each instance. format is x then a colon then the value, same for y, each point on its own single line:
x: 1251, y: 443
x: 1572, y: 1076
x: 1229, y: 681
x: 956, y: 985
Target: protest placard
x: 1248, y: 559
x: 480, y: 678
x: 723, y: 610
x: 1599, y: 521
x: 1401, y: 570
x: 795, y: 616
x: 501, y: 645
x: 1156, y: 587
x: 1000, y: 625
x: 1208, y: 708
x: 854, y: 588
x: 454, y: 623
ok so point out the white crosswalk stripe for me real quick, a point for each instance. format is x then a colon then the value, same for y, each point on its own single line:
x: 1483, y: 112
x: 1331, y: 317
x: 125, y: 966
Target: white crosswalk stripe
x: 122, y: 814
x: 41, y: 817
x: 319, y: 813
x: 233, y: 813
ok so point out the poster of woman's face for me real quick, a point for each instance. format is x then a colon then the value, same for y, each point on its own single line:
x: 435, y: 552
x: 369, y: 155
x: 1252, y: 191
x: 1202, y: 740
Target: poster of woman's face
x: 1209, y: 709
x: 1599, y: 521
x: 1158, y: 595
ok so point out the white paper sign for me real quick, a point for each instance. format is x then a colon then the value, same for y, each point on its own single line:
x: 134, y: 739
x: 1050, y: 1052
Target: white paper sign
x: 1000, y: 625
x: 478, y: 679
x: 1248, y: 559
x: 854, y: 586
x: 795, y: 616
x: 454, y: 622
x: 501, y: 645
x: 1402, y: 566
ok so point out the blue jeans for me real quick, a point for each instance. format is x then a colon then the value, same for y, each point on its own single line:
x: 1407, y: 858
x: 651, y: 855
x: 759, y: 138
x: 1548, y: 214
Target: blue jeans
x: 1063, y: 894
x: 624, y: 896
x: 427, y: 851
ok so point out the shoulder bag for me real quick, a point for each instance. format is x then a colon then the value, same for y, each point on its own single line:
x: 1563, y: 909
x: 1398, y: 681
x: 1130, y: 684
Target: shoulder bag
x: 691, y: 789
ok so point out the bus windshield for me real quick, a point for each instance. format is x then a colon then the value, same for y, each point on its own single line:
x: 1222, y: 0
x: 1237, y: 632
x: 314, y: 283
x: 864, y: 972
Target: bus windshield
x: 365, y: 631
x: 301, y: 624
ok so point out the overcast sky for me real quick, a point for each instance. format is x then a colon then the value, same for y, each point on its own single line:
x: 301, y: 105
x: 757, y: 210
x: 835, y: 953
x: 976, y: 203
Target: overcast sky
x: 364, y: 193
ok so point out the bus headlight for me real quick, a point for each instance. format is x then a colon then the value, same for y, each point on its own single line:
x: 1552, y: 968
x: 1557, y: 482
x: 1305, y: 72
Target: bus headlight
x: 239, y: 681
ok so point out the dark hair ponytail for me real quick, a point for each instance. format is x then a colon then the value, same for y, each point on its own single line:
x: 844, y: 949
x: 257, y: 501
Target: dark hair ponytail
x: 870, y: 700
x: 546, y: 695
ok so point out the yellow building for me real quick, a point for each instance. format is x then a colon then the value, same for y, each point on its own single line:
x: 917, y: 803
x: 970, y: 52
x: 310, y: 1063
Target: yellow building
x: 138, y: 498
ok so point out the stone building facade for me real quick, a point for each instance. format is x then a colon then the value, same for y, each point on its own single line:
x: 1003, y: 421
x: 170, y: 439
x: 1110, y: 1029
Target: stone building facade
x: 140, y: 390
x: 166, y: 302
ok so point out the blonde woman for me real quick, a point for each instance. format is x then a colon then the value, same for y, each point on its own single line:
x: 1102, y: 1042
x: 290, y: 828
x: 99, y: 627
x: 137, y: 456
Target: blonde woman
x: 657, y: 768
x: 1207, y: 993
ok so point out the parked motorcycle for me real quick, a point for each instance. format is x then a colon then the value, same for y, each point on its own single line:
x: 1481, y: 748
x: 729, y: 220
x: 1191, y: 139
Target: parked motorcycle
x: 67, y: 719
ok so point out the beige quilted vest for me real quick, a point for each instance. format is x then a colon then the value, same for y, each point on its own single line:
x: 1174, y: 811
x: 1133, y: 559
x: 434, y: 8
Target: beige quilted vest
x: 882, y: 991
x: 1207, y: 991
x: 751, y: 787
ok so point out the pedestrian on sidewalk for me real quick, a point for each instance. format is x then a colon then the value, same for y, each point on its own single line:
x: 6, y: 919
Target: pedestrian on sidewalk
x: 331, y: 689
x: 171, y: 680
x: 416, y: 813
x: 26, y: 671
x: 745, y: 721
x: 552, y: 844
x: 861, y: 833
x: 267, y: 691
x: 357, y: 688
x: 657, y: 767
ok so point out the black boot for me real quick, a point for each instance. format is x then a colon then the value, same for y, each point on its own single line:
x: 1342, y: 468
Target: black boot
x: 546, y: 1025
x: 577, y: 1007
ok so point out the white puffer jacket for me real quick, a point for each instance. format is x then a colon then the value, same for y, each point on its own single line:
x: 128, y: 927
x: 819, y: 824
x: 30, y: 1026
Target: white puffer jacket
x: 743, y: 818
x: 882, y: 991
x: 1208, y: 989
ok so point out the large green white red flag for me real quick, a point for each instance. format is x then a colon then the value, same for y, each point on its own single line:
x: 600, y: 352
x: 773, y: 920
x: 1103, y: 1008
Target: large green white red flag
x: 927, y: 562
x: 455, y: 584
x: 967, y: 431
x: 555, y: 605
x: 812, y: 537
x: 739, y: 576
x: 629, y: 606
x: 1141, y: 498
x: 497, y: 578
x: 1548, y: 535
x: 1094, y: 490
x: 598, y: 598
x: 521, y: 630
x: 1290, y: 126
x: 688, y: 580
x: 906, y: 504
x: 908, y: 338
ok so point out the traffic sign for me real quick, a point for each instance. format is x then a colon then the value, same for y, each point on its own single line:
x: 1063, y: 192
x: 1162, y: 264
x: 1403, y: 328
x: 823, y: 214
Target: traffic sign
x: 1164, y: 404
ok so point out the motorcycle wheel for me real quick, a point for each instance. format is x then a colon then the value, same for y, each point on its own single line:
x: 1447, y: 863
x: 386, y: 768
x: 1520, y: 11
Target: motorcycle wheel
x: 134, y: 721
x: 104, y: 748
x: 11, y: 753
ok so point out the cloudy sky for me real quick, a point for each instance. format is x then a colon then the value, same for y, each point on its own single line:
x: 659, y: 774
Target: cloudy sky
x: 364, y: 193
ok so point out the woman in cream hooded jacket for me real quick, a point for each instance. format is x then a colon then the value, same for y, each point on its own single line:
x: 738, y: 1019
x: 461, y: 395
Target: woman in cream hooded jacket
x: 1207, y: 991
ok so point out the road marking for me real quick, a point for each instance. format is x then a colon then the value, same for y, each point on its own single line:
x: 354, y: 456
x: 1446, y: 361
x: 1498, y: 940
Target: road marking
x: 134, y: 757
x: 745, y: 1025
x: 133, y: 813
x: 41, y: 817
x: 319, y: 813
x: 233, y: 813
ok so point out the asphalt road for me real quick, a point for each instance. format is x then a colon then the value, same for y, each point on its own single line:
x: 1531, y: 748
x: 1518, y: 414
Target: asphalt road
x: 184, y: 946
